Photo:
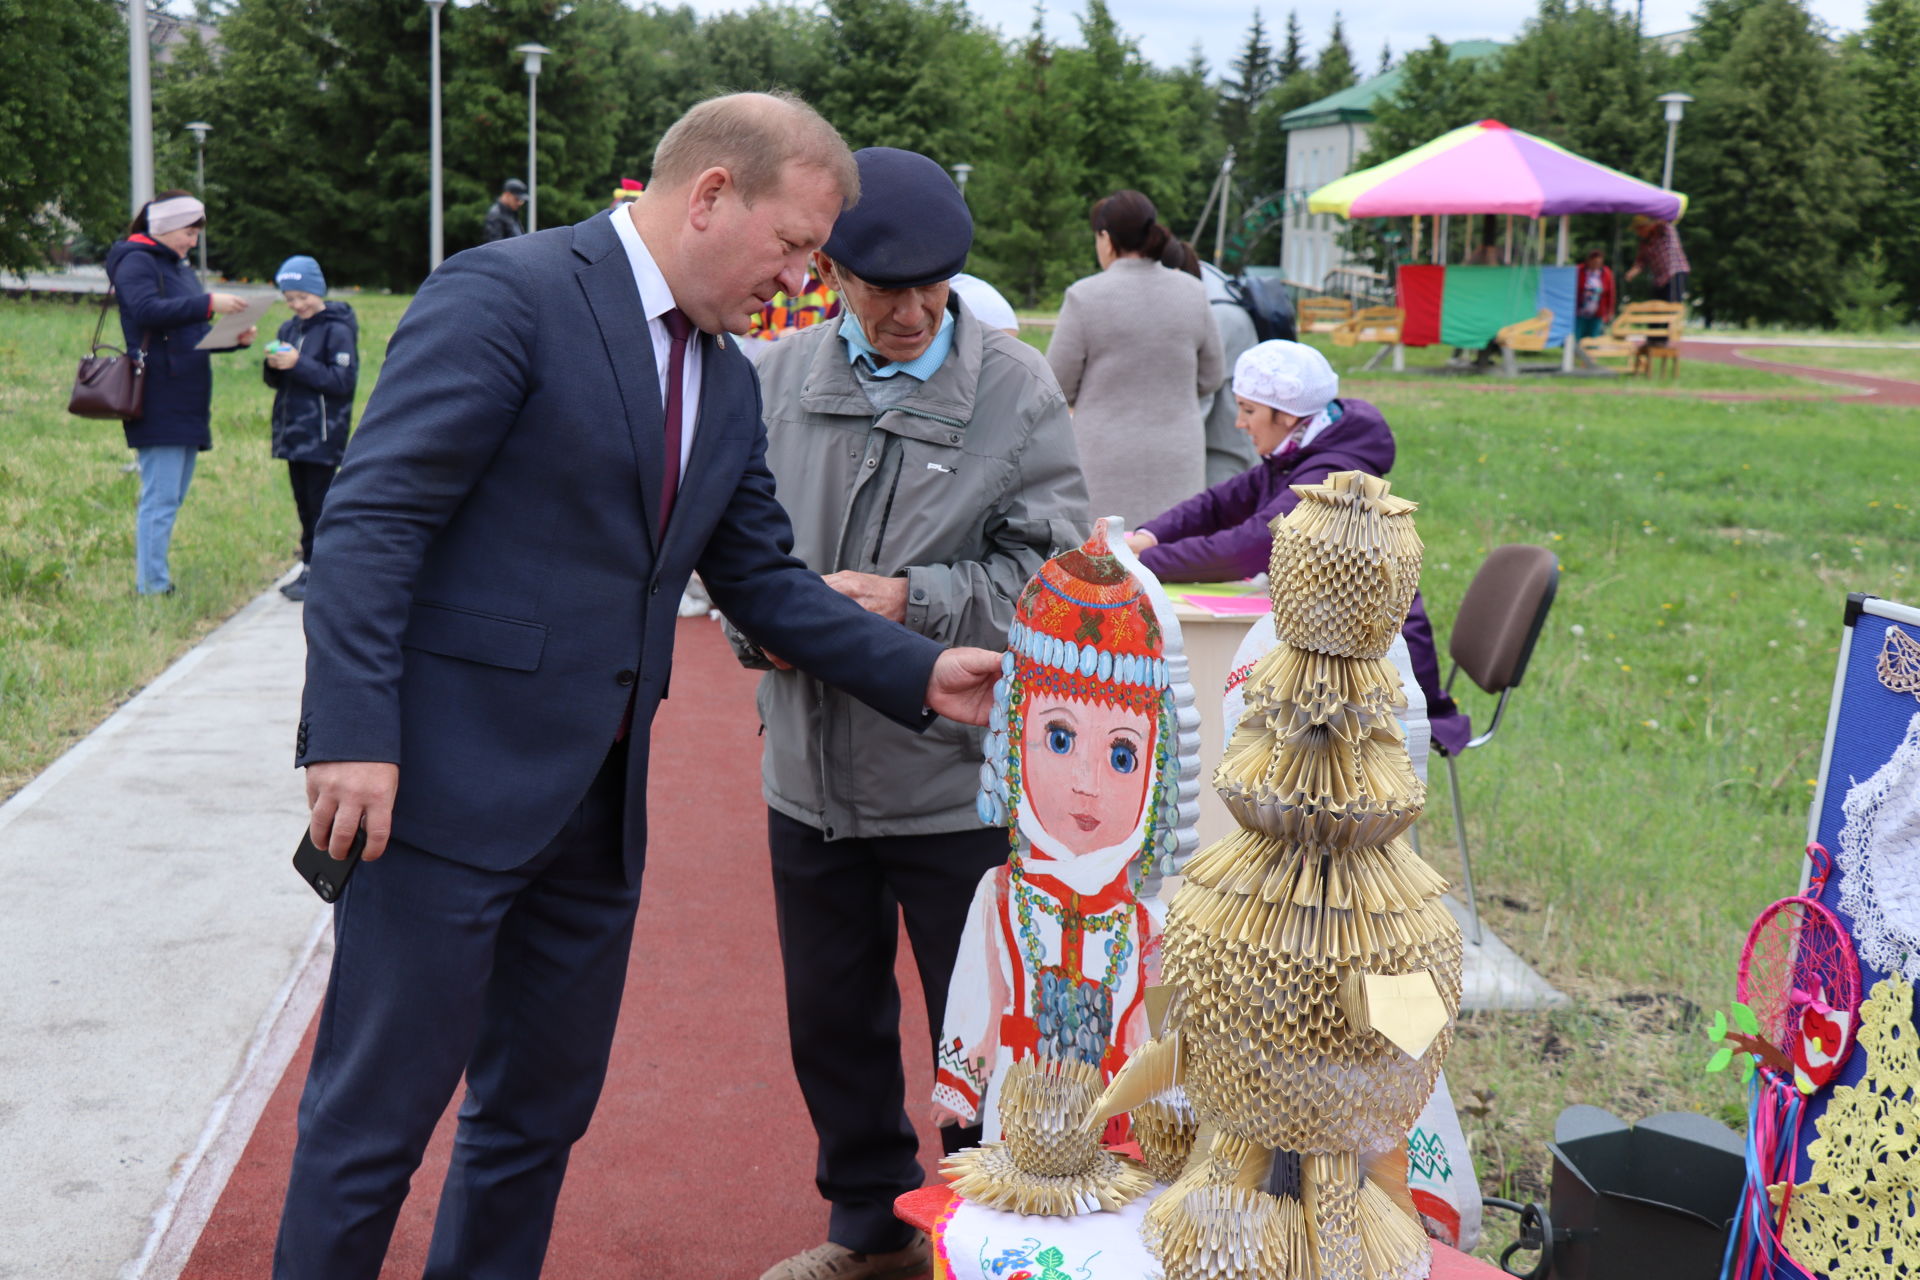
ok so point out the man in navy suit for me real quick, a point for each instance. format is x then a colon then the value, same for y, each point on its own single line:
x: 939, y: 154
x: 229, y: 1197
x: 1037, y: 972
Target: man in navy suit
x: 561, y: 436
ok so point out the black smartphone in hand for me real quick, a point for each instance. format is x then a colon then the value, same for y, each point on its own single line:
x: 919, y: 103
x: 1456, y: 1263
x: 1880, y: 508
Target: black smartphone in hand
x: 324, y: 874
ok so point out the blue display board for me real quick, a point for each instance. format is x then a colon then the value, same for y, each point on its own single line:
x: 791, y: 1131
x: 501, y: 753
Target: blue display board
x: 1865, y: 723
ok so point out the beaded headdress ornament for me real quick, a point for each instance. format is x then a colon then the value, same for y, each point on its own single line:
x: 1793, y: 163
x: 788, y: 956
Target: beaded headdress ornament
x: 1094, y: 625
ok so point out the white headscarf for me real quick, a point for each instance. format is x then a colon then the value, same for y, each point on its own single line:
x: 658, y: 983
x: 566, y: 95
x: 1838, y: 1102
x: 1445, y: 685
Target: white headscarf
x: 171, y: 215
x: 1289, y: 376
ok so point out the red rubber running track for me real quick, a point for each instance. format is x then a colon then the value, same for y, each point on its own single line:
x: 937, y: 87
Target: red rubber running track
x: 1846, y: 386
x: 699, y: 1165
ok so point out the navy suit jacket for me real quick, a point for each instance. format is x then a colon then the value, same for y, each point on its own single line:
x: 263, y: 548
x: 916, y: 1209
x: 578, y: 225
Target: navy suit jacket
x: 489, y: 586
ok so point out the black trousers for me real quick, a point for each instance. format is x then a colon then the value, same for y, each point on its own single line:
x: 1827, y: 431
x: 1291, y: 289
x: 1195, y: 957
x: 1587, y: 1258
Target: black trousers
x: 311, y: 480
x: 513, y: 978
x: 839, y: 904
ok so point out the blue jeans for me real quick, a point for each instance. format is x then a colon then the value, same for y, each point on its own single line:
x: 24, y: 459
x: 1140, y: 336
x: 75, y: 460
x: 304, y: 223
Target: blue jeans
x: 165, y: 472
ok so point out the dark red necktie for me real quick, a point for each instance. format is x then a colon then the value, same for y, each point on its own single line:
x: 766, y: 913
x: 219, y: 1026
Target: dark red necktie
x: 681, y: 329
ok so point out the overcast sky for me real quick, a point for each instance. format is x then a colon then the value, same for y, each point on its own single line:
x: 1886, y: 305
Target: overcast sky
x: 1167, y: 31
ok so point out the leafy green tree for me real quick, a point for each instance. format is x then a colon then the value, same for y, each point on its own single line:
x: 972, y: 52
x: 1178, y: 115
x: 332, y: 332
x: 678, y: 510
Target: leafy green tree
x: 1889, y: 64
x: 1437, y: 93
x: 1777, y: 152
x: 63, y: 109
x: 1333, y: 70
x: 1253, y: 70
x: 274, y: 174
x: 1127, y: 136
x: 583, y: 94
x: 1386, y: 58
x: 905, y: 73
x: 1194, y: 111
x: 1580, y: 75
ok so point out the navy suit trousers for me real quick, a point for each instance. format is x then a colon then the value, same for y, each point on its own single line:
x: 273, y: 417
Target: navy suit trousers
x: 512, y: 977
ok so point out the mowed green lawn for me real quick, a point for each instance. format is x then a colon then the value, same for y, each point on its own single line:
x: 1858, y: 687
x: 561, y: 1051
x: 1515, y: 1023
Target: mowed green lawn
x: 1648, y: 792
x: 75, y: 641
x: 1882, y: 362
x: 1645, y: 798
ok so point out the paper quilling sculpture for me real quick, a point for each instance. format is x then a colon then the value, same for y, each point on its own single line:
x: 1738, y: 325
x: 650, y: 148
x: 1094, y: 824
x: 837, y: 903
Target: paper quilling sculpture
x: 1315, y: 973
x: 1092, y: 763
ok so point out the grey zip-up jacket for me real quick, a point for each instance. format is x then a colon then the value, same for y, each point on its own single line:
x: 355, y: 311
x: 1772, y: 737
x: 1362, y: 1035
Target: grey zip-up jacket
x: 963, y: 487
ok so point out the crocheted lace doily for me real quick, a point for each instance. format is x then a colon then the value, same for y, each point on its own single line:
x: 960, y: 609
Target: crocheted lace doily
x: 1853, y: 1218
x: 1879, y: 860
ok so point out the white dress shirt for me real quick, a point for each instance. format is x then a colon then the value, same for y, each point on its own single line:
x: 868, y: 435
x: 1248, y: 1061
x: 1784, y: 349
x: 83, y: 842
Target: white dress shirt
x: 656, y: 300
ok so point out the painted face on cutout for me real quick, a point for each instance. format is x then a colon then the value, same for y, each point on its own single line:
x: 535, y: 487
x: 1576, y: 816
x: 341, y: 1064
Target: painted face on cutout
x: 1086, y: 770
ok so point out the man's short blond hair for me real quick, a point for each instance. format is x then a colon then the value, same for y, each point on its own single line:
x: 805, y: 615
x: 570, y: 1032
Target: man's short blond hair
x: 754, y: 137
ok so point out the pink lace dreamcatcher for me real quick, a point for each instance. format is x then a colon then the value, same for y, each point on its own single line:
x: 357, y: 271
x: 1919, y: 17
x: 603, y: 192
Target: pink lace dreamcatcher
x: 1793, y: 1026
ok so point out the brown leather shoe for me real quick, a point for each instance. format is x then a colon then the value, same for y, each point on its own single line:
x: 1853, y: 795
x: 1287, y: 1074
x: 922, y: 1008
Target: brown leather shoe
x: 836, y: 1262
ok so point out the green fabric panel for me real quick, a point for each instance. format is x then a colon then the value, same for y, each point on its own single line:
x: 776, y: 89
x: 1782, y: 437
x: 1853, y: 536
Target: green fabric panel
x: 1477, y: 302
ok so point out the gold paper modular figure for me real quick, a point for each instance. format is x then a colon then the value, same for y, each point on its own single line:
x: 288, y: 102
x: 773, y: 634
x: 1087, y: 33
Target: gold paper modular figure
x: 1050, y: 1164
x: 1316, y: 971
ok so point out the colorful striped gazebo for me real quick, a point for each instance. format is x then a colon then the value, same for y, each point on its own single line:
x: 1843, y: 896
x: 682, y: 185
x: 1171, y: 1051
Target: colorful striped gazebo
x: 1487, y: 167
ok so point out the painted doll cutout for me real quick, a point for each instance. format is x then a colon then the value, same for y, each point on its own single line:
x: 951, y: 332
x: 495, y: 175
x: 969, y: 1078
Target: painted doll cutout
x: 1092, y: 764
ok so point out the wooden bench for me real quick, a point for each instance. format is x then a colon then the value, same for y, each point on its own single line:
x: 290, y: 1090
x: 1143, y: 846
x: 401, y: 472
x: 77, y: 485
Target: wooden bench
x: 1642, y: 333
x: 1523, y: 335
x: 1323, y: 315
x: 1375, y: 324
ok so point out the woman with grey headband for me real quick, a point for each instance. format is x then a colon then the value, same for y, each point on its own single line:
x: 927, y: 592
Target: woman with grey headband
x: 165, y: 311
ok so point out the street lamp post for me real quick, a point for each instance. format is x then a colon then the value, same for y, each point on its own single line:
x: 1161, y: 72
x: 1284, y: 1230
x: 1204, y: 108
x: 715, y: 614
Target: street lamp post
x: 140, y: 103
x: 1676, y: 105
x: 960, y: 174
x: 200, y: 129
x: 533, y: 53
x: 436, y: 224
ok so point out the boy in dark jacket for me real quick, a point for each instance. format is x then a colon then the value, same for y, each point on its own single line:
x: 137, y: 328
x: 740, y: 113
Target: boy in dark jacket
x: 1288, y: 402
x: 312, y: 368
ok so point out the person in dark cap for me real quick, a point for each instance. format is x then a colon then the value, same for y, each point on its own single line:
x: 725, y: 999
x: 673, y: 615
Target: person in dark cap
x: 503, y: 219
x: 928, y: 465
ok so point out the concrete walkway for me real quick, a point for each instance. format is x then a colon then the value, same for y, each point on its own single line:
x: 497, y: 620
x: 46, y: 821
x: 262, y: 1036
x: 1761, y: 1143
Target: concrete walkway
x: 149, y: 929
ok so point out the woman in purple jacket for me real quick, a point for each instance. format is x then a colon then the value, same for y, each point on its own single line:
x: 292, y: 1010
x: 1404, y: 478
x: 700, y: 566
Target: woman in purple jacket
x: 1288, y: 398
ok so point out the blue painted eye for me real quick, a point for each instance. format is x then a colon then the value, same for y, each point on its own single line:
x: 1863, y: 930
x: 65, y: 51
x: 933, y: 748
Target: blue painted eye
x: 1059, y: 739
x: 1124, y: 757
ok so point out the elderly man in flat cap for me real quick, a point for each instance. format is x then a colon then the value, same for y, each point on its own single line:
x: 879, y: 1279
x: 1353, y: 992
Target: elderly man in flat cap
x: 928, y: 464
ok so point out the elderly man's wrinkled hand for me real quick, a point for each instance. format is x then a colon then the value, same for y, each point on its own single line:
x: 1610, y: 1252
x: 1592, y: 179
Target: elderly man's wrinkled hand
x: 884, y: 596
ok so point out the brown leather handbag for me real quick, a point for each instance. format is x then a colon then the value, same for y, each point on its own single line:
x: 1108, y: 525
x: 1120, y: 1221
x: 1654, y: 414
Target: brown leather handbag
x: 109, y: 386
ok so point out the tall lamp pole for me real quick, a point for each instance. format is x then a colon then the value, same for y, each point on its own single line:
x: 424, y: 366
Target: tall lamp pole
x: 200, y: 129
x: 533, y: 53
x: 140, y: 100
x: 1676, y: 105
x: 960, y: 174
x: 436, y: 214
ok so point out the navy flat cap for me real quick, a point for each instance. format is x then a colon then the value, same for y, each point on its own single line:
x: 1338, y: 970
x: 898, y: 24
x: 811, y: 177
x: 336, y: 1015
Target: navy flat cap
x: 911, y: 227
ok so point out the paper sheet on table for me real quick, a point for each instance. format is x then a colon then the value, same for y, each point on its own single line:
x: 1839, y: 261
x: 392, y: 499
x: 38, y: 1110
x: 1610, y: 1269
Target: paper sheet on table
x: 227, y: 329
x: 1248, y: 587
x: 1226, y: 606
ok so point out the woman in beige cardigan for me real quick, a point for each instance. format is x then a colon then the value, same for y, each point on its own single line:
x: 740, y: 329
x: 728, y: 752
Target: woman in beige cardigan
x: 1135, y: 350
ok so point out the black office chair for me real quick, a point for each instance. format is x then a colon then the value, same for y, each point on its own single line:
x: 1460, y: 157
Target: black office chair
x: 1493, y: 637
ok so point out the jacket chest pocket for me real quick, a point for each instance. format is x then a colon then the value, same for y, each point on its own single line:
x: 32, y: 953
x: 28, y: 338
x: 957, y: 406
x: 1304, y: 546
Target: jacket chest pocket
x: 938, y: 505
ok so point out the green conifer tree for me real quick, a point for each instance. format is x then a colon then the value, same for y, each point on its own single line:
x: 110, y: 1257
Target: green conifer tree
x: 1291, y: 58
x: 1334, y: 69
x: 1240, y: 95
x: 1775, y: 150
x: 1030, y: 233
x: 1889, y: 64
